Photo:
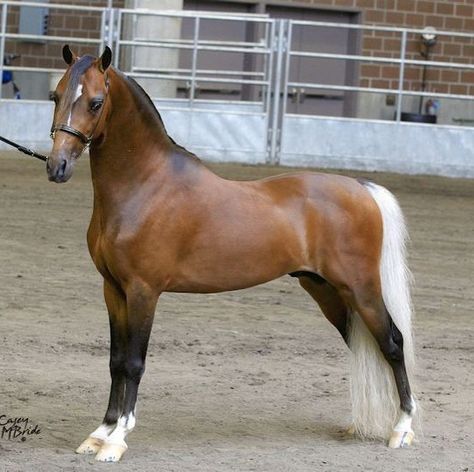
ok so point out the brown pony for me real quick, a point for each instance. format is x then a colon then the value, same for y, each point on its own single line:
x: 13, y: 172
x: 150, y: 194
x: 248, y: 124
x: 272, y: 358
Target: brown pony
x: 163, y: 222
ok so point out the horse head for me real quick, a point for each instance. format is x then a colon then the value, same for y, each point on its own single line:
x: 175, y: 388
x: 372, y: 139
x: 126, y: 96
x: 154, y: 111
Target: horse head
x: 81, y: 109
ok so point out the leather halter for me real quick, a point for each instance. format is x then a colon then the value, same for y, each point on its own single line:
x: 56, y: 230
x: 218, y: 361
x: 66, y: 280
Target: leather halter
x: 75, y: 132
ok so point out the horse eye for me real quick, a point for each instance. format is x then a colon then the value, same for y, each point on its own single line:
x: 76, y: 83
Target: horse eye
x: 96, y: 104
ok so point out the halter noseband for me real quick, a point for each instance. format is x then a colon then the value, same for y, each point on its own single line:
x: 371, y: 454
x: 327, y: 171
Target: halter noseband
x: 75, y: 132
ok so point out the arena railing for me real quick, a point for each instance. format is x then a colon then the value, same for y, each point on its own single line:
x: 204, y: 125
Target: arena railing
x: 102, y: 39
x: 402, y: 61
x: 263, y: 47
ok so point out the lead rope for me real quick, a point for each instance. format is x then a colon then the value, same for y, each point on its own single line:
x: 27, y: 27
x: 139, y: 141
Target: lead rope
x: 24, y: 149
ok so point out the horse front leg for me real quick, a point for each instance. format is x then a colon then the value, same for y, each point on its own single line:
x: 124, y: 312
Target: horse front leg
x: 117, y: 307
x: 141, y: 304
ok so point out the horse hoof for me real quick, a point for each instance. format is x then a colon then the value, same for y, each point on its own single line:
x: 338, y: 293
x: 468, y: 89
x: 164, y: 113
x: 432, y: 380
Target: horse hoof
x: 90, y: 446
x: 401, y: 439
x: 111, y: 452
x: 350, y: 431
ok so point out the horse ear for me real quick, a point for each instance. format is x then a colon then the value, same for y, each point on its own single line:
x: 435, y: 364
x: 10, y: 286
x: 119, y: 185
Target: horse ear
x: 105, y: 59
x: 68, y: 56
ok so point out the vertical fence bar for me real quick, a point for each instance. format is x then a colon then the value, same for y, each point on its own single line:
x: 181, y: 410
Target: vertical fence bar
x: 270, y: 38
x: 401, y: 76
x: 118, y: 37
x: 2, y: 41
x: 103, y: 29
x: 133, y: 49
x: 194, y: 60
x: 110, y: 36
x: 287, y: 69
x: 266, y: 35
x: 273, y: 158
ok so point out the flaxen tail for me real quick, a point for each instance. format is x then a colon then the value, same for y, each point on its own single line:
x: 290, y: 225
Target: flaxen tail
x: 375, y: 399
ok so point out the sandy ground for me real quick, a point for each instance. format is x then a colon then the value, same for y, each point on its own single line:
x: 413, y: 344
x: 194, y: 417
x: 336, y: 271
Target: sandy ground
x: 242, y: 381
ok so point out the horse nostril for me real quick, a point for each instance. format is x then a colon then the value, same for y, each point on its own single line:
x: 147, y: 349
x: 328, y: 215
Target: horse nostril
x: 62, y: 168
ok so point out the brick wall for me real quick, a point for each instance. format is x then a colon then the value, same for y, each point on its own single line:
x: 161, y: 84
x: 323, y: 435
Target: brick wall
x: 66, y: 23
x: 457, y: 15
x: 452, y: 15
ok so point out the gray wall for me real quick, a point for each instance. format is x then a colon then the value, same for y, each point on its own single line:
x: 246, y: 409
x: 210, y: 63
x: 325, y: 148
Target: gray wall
x: 407, y: 148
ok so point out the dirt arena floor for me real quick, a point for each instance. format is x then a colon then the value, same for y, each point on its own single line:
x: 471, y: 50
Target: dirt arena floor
x: 254, y: 380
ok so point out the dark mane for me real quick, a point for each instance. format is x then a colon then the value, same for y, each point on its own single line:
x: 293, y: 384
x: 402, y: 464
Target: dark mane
x: 85, y: 62
x: 136, y: 87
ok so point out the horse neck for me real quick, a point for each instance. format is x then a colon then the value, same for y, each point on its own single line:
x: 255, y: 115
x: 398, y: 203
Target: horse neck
x: 135, y: 141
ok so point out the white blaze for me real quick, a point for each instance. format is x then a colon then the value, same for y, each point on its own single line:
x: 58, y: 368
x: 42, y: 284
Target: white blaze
x: 77, y: 96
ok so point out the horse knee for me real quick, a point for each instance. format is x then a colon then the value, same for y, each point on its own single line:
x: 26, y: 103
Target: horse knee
x: 134, y: 369
x: 117, y: 364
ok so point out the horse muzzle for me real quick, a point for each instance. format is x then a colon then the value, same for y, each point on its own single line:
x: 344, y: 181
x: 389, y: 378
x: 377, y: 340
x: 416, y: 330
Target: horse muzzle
x: 59, y: 169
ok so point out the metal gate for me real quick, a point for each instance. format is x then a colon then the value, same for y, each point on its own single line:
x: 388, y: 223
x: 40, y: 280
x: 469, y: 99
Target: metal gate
x: 218, y: 128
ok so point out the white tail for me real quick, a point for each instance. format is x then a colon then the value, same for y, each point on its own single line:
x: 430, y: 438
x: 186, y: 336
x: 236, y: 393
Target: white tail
x: 375, y: 401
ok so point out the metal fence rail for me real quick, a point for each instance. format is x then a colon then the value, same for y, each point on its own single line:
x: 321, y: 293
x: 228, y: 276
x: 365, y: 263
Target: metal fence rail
x: 402, y: 61
x: 197, y: 44
x: 111, y: 34
x: 4, y: 35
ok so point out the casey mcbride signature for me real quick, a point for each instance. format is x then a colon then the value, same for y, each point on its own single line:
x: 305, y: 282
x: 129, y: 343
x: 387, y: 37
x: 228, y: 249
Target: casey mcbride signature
x: 17, y: 428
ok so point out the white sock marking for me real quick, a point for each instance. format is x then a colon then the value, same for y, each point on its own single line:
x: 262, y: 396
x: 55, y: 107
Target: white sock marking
x: 124, y: 426
x: 103, y: 431
x: 404, y: 423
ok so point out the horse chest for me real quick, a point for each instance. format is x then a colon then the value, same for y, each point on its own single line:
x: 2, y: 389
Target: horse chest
x: 96, y: 251
x: 98, y: 247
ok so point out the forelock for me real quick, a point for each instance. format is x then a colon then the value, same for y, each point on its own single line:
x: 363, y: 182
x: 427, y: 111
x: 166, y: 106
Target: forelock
x: 77, y: 70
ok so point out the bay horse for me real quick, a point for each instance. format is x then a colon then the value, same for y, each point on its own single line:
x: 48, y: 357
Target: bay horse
x: 163, y: 222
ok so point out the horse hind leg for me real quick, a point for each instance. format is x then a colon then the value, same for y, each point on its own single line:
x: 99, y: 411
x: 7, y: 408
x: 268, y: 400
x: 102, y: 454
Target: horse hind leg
x: 382, y: 404
x: 335, y: 309
x: 326, y: 296
x: 387, y: 310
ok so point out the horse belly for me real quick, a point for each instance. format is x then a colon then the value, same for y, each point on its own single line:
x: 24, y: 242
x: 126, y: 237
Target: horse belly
x: 238, y: 257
